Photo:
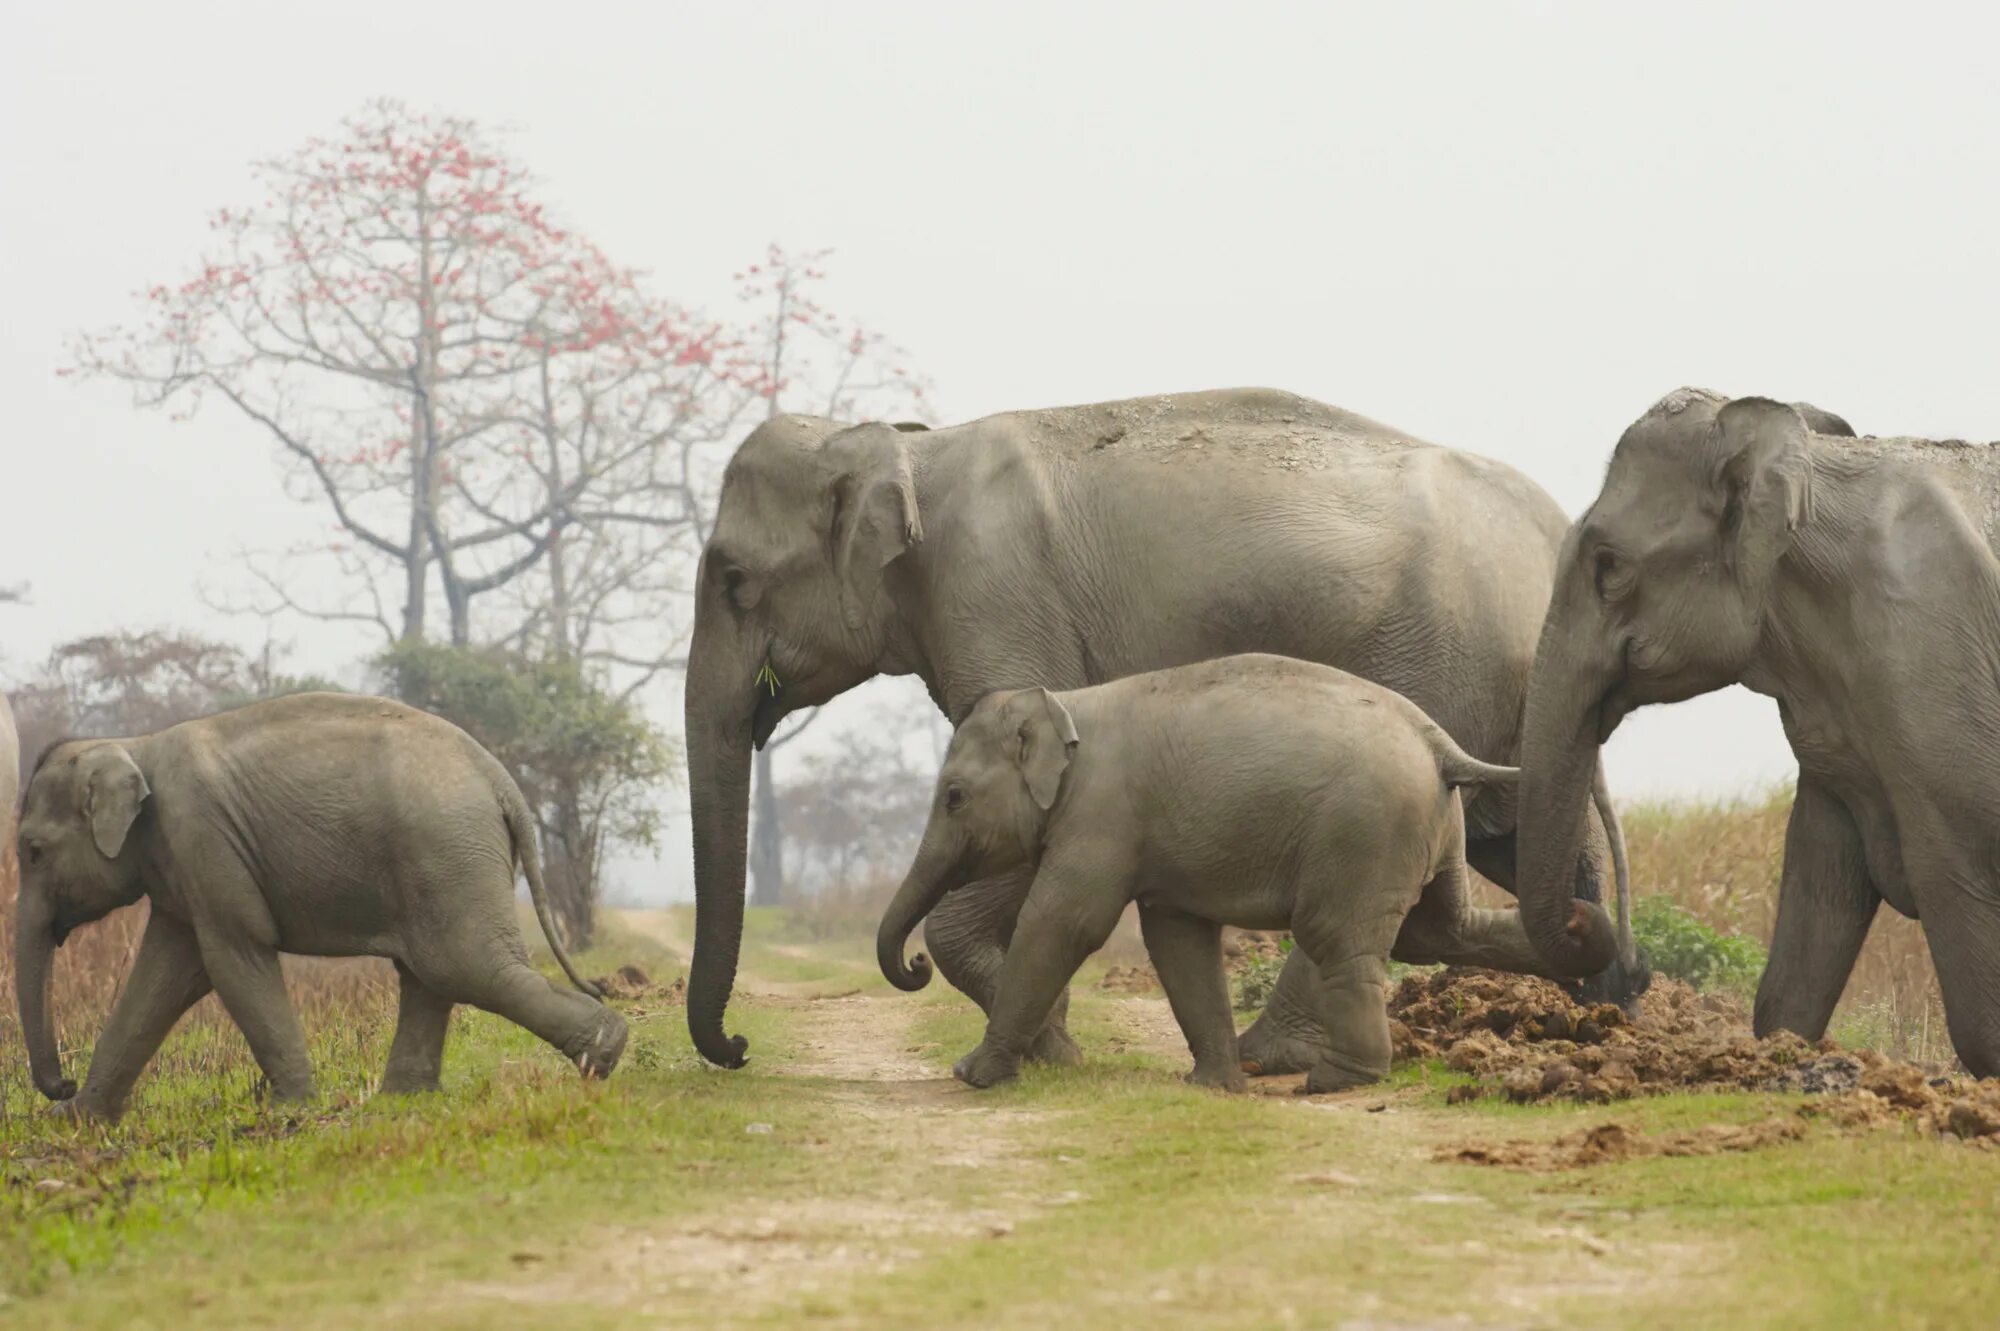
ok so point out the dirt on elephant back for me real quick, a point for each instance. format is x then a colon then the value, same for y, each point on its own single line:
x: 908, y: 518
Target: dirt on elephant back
x: 1523, y: 1039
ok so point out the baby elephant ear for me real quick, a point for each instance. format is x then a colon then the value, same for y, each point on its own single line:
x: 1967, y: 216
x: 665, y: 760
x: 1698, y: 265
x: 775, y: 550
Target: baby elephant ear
x: 113, y: 790
x: 1046, y: 739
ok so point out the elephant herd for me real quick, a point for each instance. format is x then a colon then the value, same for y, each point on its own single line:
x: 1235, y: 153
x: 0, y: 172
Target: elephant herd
x: 1068, y: 583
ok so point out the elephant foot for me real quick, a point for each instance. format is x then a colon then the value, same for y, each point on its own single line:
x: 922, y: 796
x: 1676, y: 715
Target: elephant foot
x: 1327, y: 1077
x: 1219, y: 1076
x: 1265, y: 1051
x: 1054, y: 1047
x: 404, y: 1081
x: 986, y: 1066
x: 597, y: 1054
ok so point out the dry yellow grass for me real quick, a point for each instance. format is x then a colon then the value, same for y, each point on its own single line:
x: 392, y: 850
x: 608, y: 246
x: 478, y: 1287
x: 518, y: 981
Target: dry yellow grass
x: 1720, y: 861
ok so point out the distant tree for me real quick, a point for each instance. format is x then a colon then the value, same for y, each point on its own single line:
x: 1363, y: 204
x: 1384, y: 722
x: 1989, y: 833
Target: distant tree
x: 464, y: 384
x: 854, y: 813
x: 587, y: 760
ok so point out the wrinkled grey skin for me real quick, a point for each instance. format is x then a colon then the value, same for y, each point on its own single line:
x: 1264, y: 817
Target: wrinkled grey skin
x: 1253, y: 790
x: 323, y: 824
x: 1073, y: 546
x: 1854, y: 580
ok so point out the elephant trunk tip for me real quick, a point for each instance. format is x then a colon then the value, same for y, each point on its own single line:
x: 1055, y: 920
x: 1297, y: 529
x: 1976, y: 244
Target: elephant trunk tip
x: 57, y: 1088
x: 730, y: 1051
x: 919, y: 974
x: 1589, y: 942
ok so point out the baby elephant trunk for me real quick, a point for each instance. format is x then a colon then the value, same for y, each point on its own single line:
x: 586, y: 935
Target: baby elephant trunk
x: 34, y: 958
x: 930, y: 877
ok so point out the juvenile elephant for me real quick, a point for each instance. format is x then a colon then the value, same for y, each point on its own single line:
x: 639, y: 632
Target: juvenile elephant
x: 324, y: 824
x: 1255, y: 790
x: 1855, y: 581
x: 1072, y: 546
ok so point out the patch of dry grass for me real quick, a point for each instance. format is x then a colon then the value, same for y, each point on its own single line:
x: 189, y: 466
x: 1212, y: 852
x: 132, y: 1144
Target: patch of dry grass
x: 1720, y: 861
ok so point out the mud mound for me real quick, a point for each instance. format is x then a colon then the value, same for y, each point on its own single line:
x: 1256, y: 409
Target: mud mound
x: 1524, y: 1038
x: 1130, y: 980
x: 629, y: 983
x: 1242, y: 946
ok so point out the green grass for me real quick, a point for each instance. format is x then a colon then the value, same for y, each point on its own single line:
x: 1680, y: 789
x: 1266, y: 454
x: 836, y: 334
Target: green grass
x: 1109, y: 1194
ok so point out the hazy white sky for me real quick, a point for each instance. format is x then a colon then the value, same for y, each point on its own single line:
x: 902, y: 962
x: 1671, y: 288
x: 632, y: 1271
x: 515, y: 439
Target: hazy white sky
x: 1503, y: 227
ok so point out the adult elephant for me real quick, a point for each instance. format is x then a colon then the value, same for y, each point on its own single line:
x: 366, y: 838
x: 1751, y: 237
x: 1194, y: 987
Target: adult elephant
x: 1855, y: 581
x: 1070, y: 546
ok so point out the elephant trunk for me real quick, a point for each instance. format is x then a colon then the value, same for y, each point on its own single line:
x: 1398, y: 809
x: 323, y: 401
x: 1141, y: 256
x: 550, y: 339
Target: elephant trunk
x: 930, y: 877
x: 1568, y: 717
x: 721, y: 707
x: 34, y: 958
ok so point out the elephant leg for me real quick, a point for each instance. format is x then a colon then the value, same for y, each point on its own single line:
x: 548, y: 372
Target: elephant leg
x: 1067, y: 917
x: 1187, y: 956
x: 167, y: 979
x: 251, y: 985
x: 1826, y: 901
x: 1287, y: 1035
x: 1358, y: 1048
x: 590, y: 1035
x: 416, y: 1055
x: 1445, y: 927
x: 968, y: 935
x: 1964, y: 936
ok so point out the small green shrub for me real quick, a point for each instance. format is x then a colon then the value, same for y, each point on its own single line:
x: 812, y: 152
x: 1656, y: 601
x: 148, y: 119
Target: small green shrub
x: 1258, y: 976
x: 1681, y: 946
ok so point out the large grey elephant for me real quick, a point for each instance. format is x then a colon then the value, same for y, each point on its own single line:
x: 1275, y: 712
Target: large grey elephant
x: 324, y: 824
x: 1072, y: 546
x: 1258, y: 791
x: 1855, y: 581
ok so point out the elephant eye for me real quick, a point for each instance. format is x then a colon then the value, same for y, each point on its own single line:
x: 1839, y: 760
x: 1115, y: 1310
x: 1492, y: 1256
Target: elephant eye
x: 954, y: 798
x: 1612, y: 578
x: 31, y: 852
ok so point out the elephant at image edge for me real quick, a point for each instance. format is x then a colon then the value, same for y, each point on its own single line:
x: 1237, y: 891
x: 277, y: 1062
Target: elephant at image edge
x: 1853, y: 580
x: 1259, y: 791
x: 1071, y: 546
x: 322, y: 824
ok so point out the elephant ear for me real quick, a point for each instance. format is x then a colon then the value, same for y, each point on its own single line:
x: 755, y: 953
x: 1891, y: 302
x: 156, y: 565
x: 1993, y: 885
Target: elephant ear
x: 113, y: 790
x: 1821, y: 421
x: 1044, y: 740
x: 1763, y: 472
x: 874, y: 512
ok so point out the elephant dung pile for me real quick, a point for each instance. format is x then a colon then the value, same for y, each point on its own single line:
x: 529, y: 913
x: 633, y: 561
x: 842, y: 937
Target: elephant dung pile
x: 1524, y: 1039
x: 629, y: 983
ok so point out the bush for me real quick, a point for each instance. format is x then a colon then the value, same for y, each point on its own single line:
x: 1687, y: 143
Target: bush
x: 1258, y: 976
x: 1681, y: 946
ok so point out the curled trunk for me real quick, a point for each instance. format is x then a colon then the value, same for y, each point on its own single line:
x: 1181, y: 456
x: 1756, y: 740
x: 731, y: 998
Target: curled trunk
x: 34, y: 958
x: 924, y: 886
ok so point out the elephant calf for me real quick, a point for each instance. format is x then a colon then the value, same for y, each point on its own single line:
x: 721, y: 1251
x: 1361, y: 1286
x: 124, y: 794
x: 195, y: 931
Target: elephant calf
x: 1257, y: 791
x: 323, y: 824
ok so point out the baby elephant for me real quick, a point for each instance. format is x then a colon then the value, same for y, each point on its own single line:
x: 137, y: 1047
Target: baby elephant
x: 1257, y: 791
x: 323, y: 824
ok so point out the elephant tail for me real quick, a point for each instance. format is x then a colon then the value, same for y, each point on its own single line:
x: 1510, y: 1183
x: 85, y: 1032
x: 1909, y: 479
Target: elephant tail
x: 1459, y: 768
x: 1600, y: 794
x: 521, y: 830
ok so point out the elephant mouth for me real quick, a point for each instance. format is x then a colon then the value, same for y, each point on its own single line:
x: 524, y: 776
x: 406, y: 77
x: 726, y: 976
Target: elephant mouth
x: 771, y: 709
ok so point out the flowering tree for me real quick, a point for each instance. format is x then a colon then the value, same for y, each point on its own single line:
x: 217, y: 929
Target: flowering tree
x: 455, y: 376
x: 498, y: 421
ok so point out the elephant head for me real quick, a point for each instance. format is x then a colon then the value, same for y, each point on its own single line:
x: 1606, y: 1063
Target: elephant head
x: 790, y: 610
x: 1000, y: 779
x: 1662, y: 590
x: 76, y: 866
